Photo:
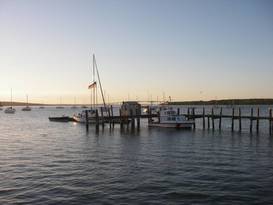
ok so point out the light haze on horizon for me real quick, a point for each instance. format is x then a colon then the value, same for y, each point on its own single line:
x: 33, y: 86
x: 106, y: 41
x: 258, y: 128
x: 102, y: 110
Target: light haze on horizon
x: 190, y: 50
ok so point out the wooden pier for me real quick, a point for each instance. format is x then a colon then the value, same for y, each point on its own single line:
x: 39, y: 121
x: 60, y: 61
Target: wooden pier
x: 211, y: 118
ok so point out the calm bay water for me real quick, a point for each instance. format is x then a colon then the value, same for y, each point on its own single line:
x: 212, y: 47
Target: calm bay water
x: 43, y: 162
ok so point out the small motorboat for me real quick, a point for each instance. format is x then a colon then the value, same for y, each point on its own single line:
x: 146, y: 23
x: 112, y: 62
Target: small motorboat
x: 60, y: 119
x: 10, y: 110
x: 169, y: 118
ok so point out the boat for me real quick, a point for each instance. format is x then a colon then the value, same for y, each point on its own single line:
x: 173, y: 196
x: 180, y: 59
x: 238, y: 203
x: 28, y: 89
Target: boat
x: 61, y: 119
x: 27, y: 108
x: 59, y: 106
x: 74, y: 106
x: 170, y: 118
x: 10, y: 110
x: 91, y: 113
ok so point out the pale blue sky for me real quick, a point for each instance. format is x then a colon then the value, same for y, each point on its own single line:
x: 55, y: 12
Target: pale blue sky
x: 190, y: 49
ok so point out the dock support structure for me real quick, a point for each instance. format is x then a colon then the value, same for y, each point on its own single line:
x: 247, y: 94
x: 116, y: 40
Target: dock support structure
x: 240, y: 120
x: 251, y: 120
x: 220, y: 119
x: 270, y: 121
x: 257, y: 121
x: 232, y: 120
x: 97, y: 121
x: 193, y: 114
x: 86, y: 121
x: 212, y: 118
x: 102, y: 118
x: 204, y: 120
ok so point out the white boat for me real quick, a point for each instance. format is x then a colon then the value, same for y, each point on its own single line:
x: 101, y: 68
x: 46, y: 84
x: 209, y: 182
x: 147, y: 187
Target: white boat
x: 81, y: 117
x: 10, y: 110
x: 27, y: 108
x: 91, y: 113
x: 169, y: 118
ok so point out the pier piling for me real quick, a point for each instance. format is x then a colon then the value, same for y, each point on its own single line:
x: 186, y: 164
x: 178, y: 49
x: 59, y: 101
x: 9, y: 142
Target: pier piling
x: 86, y: 120
x: 270, y: 121
x: 257, y: 121
x: 97, y: 121
x: 240, y: 120
x: 212, y: 118
x: 232, y: 120
x: 251, y: 120
x: 220, y: 119
x: 204, y: 120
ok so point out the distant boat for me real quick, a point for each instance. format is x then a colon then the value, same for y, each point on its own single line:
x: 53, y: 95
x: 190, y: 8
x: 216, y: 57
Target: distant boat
x: 27, y: 108
x: 10, y: 110
x: 169, y: 118
x: 41, y: 107
x: 74, y: 106
x: 60, y: 107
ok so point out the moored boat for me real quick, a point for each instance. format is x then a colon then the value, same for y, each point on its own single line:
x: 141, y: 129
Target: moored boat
x: 169, y: 118
x: 10, y: 110
x: 27, y: 108
x: 91, y: 113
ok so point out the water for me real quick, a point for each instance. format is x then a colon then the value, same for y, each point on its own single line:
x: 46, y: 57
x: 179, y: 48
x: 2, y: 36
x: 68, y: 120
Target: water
x: 44, y: 162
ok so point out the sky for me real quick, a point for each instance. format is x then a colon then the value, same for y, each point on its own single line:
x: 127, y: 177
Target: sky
x: 186, y: 49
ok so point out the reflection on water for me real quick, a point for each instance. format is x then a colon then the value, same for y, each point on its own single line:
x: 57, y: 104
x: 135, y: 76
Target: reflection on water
x: 43, y: 162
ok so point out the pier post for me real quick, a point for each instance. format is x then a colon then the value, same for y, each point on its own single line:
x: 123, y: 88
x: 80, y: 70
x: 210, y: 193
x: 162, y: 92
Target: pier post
x: 112, y: 116
x: 240, y: 120
x: 270, y: 121
x: 109, y: 118
x: 86, y: 120
x: 212, y: 118
x: 102, y: 117
x: 208, y: 123
x: 232, y: 123
x: 97, y: 120
x: 132, y: 119
x: 193, y: 114
x: 251, y: 120
x: 204, y: 121
x: 121, y: 119
x: 220, y: 119
x: 188, y: 113
x: 257, y: 122
x: 138, y: 119
x: 178, y: 111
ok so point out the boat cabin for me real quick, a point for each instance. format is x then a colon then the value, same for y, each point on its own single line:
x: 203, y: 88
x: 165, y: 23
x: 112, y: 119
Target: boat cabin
x: 130, y: 106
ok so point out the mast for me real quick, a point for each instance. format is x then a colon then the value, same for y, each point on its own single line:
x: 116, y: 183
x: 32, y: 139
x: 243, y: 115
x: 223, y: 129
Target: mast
x: 11, y: 97
x: 101, y: 90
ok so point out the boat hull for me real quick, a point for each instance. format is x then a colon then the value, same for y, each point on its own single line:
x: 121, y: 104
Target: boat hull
x: 185, y: 125
x: 10, y: 111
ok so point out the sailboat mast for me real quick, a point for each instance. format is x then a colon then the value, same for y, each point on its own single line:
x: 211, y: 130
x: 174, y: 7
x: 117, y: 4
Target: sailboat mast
x: 94, y: 80
x: 101, y: 90
x: 11, y: 97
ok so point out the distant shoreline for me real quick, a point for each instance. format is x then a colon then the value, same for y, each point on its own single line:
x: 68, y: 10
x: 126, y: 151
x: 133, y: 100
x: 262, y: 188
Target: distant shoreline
x: 253, y: 101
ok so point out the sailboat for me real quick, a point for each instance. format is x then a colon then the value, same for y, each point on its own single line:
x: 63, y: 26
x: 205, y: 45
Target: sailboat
x: 10, y: 110
x: 27, y: 108
x: 74, y: 106
x: 60, y: 107
x: 91, y: 113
